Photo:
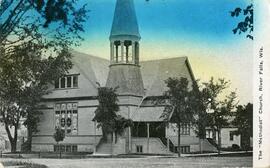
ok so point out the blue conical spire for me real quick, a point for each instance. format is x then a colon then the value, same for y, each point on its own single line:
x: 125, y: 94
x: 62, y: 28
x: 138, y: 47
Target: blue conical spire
x: 125, y: 20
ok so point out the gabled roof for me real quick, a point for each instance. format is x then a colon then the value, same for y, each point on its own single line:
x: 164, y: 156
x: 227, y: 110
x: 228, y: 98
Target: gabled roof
x: 155, y: 72
x: 91, y: 70
x: 125, y: 20
x: 95, y: 69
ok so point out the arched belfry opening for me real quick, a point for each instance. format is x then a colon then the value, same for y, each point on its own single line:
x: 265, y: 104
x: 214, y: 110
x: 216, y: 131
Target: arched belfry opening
x: 125, y: 52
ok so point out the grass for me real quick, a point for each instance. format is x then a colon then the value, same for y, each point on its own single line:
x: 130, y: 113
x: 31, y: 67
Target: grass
x: 23, y: 164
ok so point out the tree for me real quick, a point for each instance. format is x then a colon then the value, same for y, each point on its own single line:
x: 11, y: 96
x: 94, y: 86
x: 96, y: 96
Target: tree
x: 244, y: 122
x: 35, y: 39
x: 106, y: 114
x: 24, y: 79
x: 201, y: 104
x: 218, y: 111
x: 245, y: 26
x: 180, y: 108
x: 59, y: 136
x: 28, y: 20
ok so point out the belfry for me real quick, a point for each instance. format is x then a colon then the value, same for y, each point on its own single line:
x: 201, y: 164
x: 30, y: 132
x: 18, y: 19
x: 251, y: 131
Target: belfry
x: 124, y: 70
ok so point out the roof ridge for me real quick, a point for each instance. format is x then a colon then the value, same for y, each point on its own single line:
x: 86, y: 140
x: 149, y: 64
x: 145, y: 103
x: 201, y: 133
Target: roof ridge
x: 162, y: 59
x: 74, y: 52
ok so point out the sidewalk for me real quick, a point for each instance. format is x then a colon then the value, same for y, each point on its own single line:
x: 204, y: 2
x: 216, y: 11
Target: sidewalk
x: 214, y: 153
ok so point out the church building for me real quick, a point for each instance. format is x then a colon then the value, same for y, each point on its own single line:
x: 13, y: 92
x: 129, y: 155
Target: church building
x: 72, y: 102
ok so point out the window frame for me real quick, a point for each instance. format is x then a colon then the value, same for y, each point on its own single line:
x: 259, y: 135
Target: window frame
x: 231, y: 135
x: 63, y: 82
x: 64, y: 148
x: 139, y: 148
x: 62, y: 122
x: 185, y: 129
x: 185, y: 149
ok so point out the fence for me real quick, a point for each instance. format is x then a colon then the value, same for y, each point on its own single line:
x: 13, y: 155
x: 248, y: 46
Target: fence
x: 69, y: 155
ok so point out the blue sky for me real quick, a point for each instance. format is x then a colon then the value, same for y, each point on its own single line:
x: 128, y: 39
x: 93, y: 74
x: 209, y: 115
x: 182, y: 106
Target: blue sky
x: 199, y: 29
x: 193, y: 20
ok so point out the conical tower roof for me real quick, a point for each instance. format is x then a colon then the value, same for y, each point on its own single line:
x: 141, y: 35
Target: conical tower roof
x: 125, y: 20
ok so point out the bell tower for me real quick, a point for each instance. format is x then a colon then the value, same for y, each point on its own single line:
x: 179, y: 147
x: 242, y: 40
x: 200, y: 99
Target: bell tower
x: 124, y: 56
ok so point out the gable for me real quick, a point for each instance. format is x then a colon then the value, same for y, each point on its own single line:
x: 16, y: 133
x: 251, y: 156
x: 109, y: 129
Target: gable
x: 154, y: 73
x: 90, y: 70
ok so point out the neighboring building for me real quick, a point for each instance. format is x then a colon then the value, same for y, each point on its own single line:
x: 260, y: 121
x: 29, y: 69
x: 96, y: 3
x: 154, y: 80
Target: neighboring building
x: 228, y: 137
x: 73, y: 100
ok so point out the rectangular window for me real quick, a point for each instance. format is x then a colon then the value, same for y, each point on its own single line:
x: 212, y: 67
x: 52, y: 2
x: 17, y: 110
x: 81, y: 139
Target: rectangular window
x: 74, y: 148
x: 65, y: 148
x: 68, y: 148
x: 66, y: 118
x: 185, y: 149
x: 139, y: 149
x: 69, y: 82
x: 62, y: 148
x: 75, y: 81
x: 56, y: 148
x: 63, y: 82
x: 185, y: 129
x: 231, y: 135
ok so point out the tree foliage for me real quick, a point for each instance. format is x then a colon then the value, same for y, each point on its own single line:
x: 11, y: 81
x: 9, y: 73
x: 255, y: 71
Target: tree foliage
x: 180, y: 101
x: 35, y: 39
x: 28, y: 20
x: 246, y: 25
x: 219, y: 110
x: 180, y: 108
x: 244, y: 122
x: 59, y: 135
x: 106, y: 113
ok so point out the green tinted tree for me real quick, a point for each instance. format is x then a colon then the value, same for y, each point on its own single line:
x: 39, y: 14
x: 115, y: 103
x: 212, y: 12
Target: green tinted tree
x: 35, y: 37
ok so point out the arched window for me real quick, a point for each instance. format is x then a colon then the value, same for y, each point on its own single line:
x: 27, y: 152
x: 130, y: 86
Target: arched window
x: 127, y: 51
x: 117, y: 51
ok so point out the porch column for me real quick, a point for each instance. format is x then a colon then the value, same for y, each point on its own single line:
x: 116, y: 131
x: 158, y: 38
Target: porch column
x: 95, y: 144
x: 168, y: 144
x: 129, y: 140
x: 148, y: 137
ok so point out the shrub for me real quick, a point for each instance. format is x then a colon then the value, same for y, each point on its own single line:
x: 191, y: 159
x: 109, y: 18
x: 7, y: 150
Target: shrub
x: 235, y: 147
